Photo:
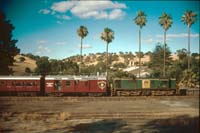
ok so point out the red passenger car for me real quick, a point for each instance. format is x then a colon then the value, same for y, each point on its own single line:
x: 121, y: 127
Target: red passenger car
x: 83, y: 85
x: 20, y: 85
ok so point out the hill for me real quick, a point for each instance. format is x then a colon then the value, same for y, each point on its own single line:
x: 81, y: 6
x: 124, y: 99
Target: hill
x: 122, y: 61
x: 21, y: 63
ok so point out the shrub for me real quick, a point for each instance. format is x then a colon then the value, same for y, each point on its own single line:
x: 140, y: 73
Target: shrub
x: 31, y: 116
x: 21, y: 59
x: 63, y: 116
x: 6, y: 115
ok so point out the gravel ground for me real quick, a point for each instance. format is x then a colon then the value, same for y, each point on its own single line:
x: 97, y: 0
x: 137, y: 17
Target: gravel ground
x: 102, y: 115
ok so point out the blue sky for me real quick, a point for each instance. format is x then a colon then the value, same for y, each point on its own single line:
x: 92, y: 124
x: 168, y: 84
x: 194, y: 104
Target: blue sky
x: 49, y: 27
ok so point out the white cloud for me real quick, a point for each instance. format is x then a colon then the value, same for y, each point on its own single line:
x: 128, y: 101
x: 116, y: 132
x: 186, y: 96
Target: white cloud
x: 84, y: 7
x: 85, y: 46
x: 87, y: 9
x: 64, y: 17
x: 148, y: 41
x: 60, y: 43
x: 44, y: 11
x: 41, y: 41
x: 153, y: 41
x: 181, y: 35
x: 117, y: 14
x: 62, y: 6
x: 162, y: 41
x: 42, y: 50
x: 59, y: 22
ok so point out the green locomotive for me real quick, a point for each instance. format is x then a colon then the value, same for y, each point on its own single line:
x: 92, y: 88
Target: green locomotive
x: 143, y: 87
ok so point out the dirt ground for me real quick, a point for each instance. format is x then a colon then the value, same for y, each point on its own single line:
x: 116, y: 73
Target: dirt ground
x: 101, y: 115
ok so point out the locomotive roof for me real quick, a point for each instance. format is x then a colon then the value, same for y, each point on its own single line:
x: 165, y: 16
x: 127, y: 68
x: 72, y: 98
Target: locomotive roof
x: 70, y: 77
x: 11, y: 77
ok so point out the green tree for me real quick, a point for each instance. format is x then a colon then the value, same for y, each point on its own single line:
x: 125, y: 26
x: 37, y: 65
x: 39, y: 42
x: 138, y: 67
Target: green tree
x: 107, y: 35
x: 43, y: 65
x: 8, y: 48
x: 188, y: 79
x: 56, y: 66
x: 141, y: 21
x: 22, y: 59
x: 139, y: 54
x: 28, y: 70
x: 182, y: 53
x: 70, y: 68
x: 179, y: 66
x: 82, y: 32
x: 119, y: 65
x: 189, y: 18
x: 156, y: 57
x: 165, y: 20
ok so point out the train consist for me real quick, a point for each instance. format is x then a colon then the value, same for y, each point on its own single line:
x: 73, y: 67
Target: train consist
x: 53, y: 85
x: 85, y: 85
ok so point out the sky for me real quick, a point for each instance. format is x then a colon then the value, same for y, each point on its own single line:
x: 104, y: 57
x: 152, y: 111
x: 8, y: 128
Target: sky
x: 49, y: 27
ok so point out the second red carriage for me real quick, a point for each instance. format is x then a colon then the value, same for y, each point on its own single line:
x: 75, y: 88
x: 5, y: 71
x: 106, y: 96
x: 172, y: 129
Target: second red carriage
x: 75, y: 85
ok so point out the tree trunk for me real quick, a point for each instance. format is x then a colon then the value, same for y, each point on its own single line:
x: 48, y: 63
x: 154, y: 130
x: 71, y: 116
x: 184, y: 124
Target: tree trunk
x: 107, y: 61
x: 164, y: 53
x: 80, y: 66
x: 189, y: 47
x: 139, y: 51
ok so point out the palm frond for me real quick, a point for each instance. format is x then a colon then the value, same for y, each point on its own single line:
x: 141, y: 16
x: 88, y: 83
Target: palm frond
x: 140, y: 19
x: 165, y: 20
x: 107, y: 35
x: 82, y: 31
x: 189, y: 18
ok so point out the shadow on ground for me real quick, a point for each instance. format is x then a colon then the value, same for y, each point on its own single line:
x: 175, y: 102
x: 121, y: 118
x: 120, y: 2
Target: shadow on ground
x: 4, y: 106
x: 179, y: 124
x: 103, y: 126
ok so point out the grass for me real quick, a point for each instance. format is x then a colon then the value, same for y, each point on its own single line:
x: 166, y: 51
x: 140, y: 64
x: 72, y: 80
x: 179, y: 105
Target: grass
x: 63, y: 116
x: 6, y: 115
x: 30, y: 116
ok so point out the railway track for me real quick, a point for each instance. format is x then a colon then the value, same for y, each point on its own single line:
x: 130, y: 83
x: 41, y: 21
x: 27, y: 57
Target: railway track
x: 7, y: 98
x: 103, y: 115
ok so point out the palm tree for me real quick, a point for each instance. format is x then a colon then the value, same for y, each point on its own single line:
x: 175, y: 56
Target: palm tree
x: 189, y: 18
x: 140, y: 20
x: 165, y: 20
x: 82, y: 32
x: 107, y: 35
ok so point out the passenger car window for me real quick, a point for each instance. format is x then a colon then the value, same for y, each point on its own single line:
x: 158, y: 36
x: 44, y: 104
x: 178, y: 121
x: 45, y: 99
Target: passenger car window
x: 2, y: 83
x: 68, y: 83
x: 13, y: 83
x: 29, y: 84
x: 18, y: 84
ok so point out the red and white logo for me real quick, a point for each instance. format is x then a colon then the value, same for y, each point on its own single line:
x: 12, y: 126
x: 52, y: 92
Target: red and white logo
x: 102, y: 84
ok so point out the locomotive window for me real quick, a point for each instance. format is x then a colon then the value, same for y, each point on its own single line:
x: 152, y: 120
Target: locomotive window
x: 117, y: 84
x: 2, y: 83
x: 68, y: 83
x: 164, y: 84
